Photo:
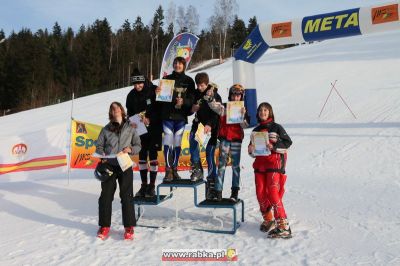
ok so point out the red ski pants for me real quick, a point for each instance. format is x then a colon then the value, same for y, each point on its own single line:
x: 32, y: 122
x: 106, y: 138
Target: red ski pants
x: 270, y: 188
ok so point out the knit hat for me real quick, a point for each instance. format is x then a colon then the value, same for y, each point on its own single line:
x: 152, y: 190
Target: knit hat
x: 137, y: 77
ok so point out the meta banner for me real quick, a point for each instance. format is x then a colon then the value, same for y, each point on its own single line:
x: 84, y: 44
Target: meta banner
x: 252, y: 48
x: 331, y: 25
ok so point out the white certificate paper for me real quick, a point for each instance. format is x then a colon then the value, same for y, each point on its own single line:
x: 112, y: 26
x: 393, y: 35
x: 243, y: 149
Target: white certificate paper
x: 167, y: 90
x: 138, y: 120
x: 201, y: 137
x: 260, y: 141
x: 124, y: 160
x: 234, y: 112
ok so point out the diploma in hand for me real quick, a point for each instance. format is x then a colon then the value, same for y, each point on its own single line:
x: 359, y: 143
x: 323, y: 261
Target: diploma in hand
x: 260, y: 142
x: 167, y: 89
x: 234, y: 113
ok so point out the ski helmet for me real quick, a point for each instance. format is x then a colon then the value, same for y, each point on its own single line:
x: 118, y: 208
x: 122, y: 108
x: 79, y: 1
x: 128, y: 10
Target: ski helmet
x: 103, y: 171
x: 236, y: 89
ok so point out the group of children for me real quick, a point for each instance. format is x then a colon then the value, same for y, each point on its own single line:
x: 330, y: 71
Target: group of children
x: 170, y: 118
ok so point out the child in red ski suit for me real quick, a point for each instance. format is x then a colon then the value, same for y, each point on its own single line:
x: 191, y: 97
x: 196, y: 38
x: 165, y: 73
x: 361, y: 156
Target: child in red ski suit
x: 270, y: 174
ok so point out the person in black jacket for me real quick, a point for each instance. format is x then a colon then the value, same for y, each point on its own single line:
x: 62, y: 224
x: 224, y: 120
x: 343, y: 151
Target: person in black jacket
x: 141, y: 100
x: 205, y: 93
x: 174, y: 116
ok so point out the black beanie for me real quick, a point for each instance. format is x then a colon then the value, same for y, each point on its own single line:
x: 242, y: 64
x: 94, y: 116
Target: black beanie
x: 137, y: 77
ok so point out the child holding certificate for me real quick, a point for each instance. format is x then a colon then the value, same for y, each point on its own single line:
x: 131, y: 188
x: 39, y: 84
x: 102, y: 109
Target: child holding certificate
x: 269, y: 169
x: 230, y: 136
x: 141, y: 101
x: 206, y: 122
x: 174, y: 116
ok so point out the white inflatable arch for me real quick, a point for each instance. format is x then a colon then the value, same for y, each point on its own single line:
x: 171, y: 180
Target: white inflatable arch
x: 351, y: 22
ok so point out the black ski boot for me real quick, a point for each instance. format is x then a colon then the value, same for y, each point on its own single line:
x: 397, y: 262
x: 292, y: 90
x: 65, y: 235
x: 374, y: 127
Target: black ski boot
x: 197, y: 172
x: 142, y: 191
x: 150, y: 192
x: 210, y: 189
x: 234, y: 194
x: 218, y: 196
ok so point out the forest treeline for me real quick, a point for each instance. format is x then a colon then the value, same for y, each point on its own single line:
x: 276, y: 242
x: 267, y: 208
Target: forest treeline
x: 45, y: 67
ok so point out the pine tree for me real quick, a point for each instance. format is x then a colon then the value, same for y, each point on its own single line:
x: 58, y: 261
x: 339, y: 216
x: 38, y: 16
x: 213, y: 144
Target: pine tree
x: 237, y: 33
x: 3, y: 99
x: 252, y: 24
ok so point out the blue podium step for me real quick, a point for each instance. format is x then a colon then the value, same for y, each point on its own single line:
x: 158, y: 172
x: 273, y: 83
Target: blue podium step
x: 151, y: 200
x: 187, y: 183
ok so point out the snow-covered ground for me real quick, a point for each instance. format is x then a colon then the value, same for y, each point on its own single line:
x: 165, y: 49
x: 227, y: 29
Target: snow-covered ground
x: 343, y: 183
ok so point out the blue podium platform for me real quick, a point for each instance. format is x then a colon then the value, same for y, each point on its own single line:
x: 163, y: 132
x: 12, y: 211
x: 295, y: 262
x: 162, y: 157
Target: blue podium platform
x: 186, y: 183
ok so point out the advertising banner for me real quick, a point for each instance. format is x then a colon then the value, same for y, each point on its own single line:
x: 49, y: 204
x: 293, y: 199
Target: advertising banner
x: 252, y: 48
x: 83, y: 145
x: 182, y: 45
x: 331, y: 25
x: 37, y: 150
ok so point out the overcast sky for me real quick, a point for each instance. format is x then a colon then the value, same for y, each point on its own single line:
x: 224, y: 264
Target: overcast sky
x: 40, y: 14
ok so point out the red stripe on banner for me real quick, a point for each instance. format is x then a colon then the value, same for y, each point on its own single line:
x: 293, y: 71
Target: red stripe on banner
x: 58, y: 157
x: 34, y: 168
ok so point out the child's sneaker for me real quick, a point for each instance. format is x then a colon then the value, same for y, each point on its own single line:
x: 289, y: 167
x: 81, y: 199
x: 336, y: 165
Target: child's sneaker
x: 282, y: 230
x: 234, y: 194
x: 269, y: 222
x: 217, y: 196
x: 267, y: 226
x: 103, y: 233
x: 129, y: 233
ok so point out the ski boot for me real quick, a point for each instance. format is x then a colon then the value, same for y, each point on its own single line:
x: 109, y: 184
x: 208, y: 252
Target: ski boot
x: 150, y: 192
x: 197, y: 172
x: 142, y: 191
x: 210, y: 189
x: 217, y: 196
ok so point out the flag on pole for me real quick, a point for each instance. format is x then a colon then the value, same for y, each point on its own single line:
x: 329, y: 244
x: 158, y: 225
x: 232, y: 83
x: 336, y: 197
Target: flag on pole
x: 182, y: 45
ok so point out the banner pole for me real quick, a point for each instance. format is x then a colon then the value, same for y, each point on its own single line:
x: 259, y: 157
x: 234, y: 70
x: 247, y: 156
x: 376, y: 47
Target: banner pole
x: 70, y: 137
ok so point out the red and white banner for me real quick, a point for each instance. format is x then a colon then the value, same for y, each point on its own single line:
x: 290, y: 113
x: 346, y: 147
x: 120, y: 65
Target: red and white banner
x: 37, y: 150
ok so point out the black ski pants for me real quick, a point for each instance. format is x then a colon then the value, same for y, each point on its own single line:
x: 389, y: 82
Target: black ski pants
x: 125, y: 181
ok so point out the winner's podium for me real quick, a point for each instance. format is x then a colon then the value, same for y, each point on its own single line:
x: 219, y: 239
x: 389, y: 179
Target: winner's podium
x: 187, y: 183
